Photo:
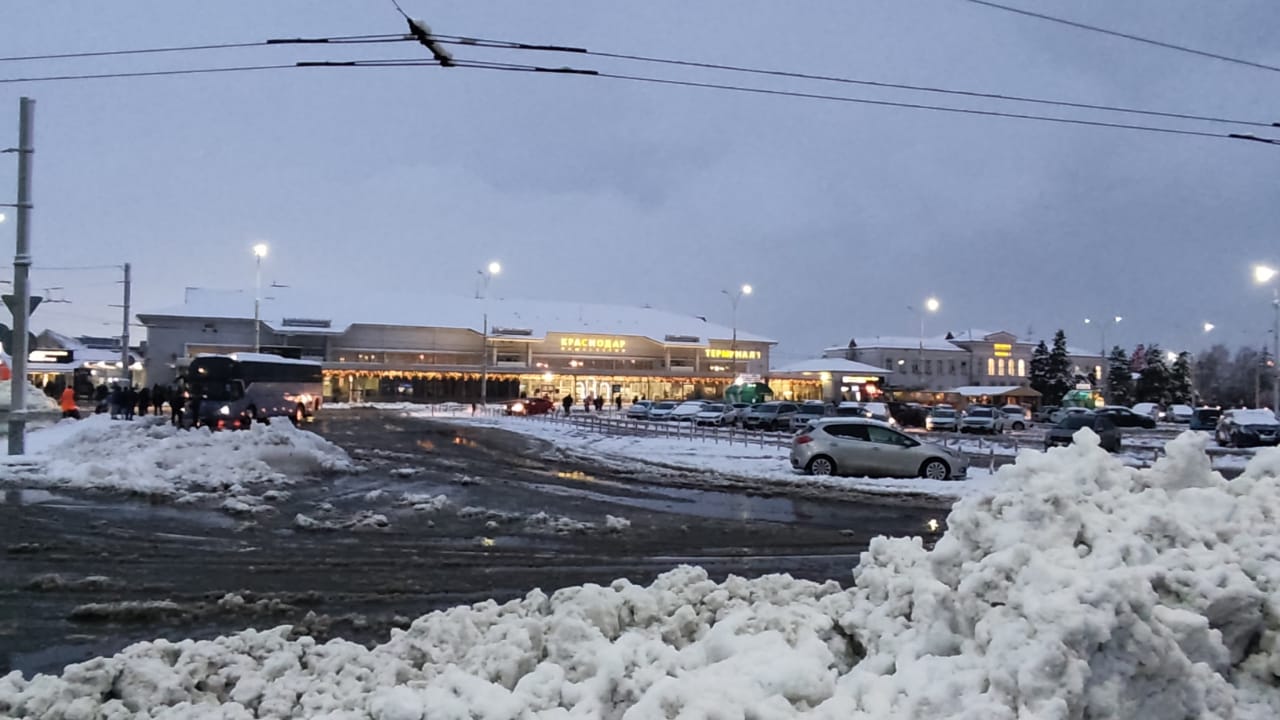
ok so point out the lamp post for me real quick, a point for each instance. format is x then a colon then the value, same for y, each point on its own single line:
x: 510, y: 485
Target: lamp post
x: 733, y: 344
x: 259, y: 252
x: 482, y: 288
x: 931, y: 305
x: 1263, y: 275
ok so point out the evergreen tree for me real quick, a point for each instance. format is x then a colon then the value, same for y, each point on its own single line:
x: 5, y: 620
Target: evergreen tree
x: 1061, y: 379
x: 1180, y: 390
x: 1138, y: 360
x: 1153, y: 380
x: 1039, y: 373
x: 1119, y: 378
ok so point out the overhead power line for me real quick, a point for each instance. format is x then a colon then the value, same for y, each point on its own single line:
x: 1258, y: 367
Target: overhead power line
x: 1127, y: 36
x: 339, y: 40
x: 786, y: 93
x: 148, y: 73
x: 512, y: 45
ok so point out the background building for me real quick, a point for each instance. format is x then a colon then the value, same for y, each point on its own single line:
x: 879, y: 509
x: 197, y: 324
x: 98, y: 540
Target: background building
x: 421, y: 347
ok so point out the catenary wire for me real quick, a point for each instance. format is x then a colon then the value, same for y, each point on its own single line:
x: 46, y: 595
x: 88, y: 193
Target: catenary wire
x: 149, y: 73
x: 338, y: 40
x: 514, y: 45
x: 1127, y: 36
x: 786, y: 93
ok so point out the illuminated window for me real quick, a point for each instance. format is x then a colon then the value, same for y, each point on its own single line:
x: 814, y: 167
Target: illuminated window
x: 1097, y: 371
x: 991, y: 366
x: 1001, y: 366
x: 1022, y: 367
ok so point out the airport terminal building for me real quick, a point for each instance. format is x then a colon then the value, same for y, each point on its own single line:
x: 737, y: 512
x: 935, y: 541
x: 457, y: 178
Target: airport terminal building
x: 431, y: 348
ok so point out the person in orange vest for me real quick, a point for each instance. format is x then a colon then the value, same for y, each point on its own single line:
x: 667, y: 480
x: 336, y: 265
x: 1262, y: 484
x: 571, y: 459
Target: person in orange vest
x: 68, y: 404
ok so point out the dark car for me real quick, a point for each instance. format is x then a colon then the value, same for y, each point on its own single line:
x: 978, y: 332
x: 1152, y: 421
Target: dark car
x: 530, y: 406
x: 1124, y: 417
x: 1247, y: 428
x: 1065, y: 431
x: 1205, y: 419
x: 909, y: 414
x: 770, y: 416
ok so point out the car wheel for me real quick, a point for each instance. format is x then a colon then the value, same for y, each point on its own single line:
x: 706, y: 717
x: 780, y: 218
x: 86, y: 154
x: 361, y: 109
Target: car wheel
x: 1019, y: 426
x: 821, y: 465
x: 935, y: 469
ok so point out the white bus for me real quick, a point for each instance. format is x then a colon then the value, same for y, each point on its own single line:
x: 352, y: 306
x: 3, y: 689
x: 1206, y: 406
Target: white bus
x: 237, y: 390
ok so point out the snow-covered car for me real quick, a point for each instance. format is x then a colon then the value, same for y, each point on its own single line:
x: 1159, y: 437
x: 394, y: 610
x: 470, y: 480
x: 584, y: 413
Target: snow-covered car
x: 1064, y: 433
x: 1205, y: 419
x: 1016, y: 416
x: 639, y: 409
x: 1044, y: 414
x: 662, y: 410
x: 982, y: 419
x: 863, y: 447
x: 1247, y: 428
x: 880, y: 411
x: 718, y: 414
x: 1065, y: 412
x: 739, y: 409
x: 1180, y: 414
x: 772, y: 415
x: 942, y: 419
x: 809, y: 411
x: 688, y: 410
x: 852, y: 409
x: 1151, y: 410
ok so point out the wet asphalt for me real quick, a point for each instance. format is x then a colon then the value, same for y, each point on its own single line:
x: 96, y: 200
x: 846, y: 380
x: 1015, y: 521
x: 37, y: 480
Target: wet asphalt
x: 83, y: 575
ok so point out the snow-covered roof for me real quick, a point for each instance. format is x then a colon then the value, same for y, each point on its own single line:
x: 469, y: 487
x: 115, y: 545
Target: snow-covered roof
x: 977, y: 335
x: 979, y: 390
x: 902, y: 342
x: 334, y: 311
x: 835, y: 366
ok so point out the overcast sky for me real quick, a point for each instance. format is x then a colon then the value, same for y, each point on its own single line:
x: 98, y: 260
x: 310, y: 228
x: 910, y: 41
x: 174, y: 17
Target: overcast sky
x: 593, y: 189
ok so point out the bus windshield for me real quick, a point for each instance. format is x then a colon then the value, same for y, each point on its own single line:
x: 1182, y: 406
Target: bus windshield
x: 211, y: 378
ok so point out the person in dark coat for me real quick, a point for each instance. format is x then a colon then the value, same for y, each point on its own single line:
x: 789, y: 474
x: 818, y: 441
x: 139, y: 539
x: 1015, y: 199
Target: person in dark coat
x: 115, y: 398
x: 144, y: 401
x: 599, y: 403
x: 128, y: 398
x: 568, y: 403
x: 157, y: 398
x: 586, y: 403
x: 617, y: 403
x: 177, y: 399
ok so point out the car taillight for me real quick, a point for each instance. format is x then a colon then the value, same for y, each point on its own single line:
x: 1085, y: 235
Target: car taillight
x: 802, y: 439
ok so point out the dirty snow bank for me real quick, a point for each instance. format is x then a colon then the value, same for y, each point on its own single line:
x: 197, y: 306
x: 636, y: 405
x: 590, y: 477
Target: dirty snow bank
x: 149, y: 456
x: 1079, y: 588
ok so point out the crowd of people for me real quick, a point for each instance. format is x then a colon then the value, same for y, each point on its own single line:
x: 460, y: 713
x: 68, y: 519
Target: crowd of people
x: 126, y: 401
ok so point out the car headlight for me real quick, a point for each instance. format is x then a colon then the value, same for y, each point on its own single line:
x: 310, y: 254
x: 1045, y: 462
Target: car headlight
x: 224, y: 410
x: 517, y: 408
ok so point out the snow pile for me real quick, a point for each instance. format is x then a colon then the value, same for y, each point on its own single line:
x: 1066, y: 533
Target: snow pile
x: 35, y: 399
x: 1080, y: 589
x: 149, y: 456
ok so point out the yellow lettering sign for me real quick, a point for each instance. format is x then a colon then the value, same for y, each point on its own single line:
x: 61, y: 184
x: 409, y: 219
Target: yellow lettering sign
x: 723, y: 354
x: 593, y: 344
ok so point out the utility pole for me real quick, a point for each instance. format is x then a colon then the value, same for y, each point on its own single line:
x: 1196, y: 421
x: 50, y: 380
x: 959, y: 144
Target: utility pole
x: 1275, y: 353
x: 21, y: 304
x: 124, y: 331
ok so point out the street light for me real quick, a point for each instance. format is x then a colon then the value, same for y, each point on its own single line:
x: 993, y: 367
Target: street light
x: 733, y: 344
x: 259, y: 252
x: 1208, y: 327
x: 1264, y: 274
x: 482, y: 291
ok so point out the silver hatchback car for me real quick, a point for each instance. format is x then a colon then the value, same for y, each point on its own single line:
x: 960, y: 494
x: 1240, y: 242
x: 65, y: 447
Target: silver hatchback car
x: 865, y: 447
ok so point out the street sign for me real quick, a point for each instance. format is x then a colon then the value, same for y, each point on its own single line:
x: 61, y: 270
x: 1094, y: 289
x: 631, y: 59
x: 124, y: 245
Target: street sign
x: 10, y: 300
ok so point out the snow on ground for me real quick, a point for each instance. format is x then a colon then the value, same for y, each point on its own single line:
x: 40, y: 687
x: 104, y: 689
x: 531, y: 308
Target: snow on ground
x: 150, y: 457
x: 768, y: 465
x: 1078, y: 588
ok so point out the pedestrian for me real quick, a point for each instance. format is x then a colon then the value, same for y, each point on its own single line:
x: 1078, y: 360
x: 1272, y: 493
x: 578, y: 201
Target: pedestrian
x: 157, y: 398
x: 586, y: 403
x: 114, y: 398
x: 599, y: 403
x: 617, y: 402
x: 68, y: 404
x: 568, y: 403
x: 144, y: 401
x: 176, y: 401
x: 128, y: 398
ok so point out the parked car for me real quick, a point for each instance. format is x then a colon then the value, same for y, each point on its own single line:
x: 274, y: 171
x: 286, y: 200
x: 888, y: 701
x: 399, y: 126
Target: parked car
x: 1151, y: 410
x: 639, y: 409
x: 863, y: 447
x: 808, y: 412
x: 718, y: 414
x: 1126, y: 418
x: 1064, y: 433
x: 1066, y: 412
x: 1180, y: 414
x: 688, y: 410
x: 1016, y: 416
x: 662, y: 410
x: 1044, y: 414
x: 852, y: 409
x: 942, y: 419
x: 982, y: 419
x: 739, y: 409
x: 773, y: 415
x: 530, y: 406
x: 909, y: 414
x: 1205, y: 419
x: 880, y: 411
x: 1247, y: 428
